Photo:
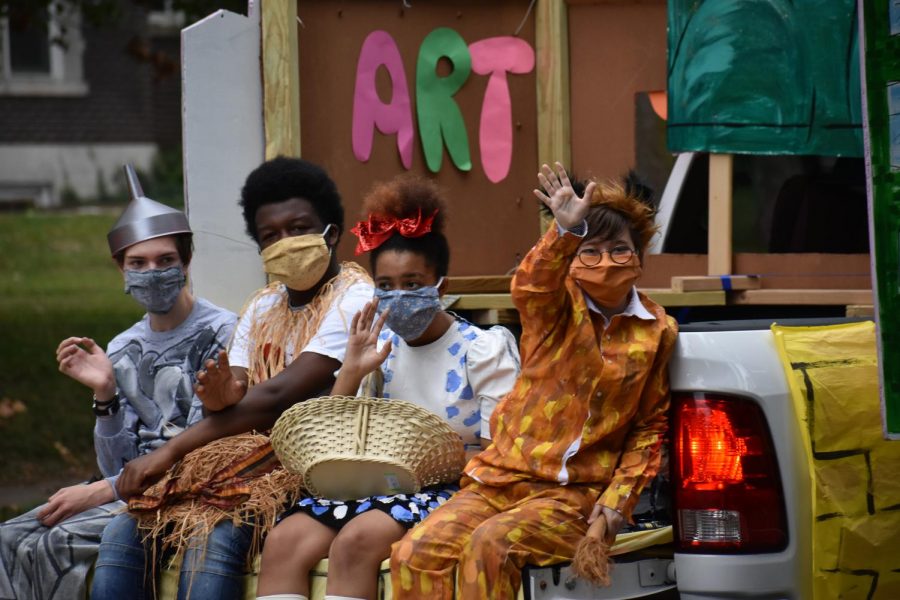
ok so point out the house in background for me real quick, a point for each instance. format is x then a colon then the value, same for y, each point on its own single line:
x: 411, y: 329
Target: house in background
x: 77, y: 101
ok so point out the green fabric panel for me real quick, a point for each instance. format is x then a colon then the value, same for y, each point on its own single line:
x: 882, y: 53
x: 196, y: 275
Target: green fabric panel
x: 764, y: 77
x: 883, y: 96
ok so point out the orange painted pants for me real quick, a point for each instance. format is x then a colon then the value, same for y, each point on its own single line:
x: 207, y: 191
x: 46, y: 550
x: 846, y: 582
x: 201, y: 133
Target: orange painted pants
x: 491, y: 533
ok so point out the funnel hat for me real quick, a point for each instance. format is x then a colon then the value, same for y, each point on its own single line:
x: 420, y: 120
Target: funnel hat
x: 144, y: 218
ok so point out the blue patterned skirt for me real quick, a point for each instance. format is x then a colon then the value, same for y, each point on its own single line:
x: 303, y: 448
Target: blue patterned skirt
x: 406, y: 509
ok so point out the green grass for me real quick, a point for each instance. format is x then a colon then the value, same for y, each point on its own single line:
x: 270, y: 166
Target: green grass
x: 56, y: 280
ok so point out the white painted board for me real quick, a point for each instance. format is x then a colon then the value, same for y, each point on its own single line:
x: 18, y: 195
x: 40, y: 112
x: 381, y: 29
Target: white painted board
x: 224, y: 139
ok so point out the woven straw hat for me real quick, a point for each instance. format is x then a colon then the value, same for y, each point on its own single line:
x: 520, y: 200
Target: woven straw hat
x: 352, y: 447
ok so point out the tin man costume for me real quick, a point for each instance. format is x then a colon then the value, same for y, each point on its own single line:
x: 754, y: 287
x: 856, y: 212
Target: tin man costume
x: 155, y: 374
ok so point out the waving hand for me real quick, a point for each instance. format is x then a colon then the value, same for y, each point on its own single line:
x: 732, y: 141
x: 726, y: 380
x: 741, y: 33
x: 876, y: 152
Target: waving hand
x: 567, y: 207
x: 362, y: 356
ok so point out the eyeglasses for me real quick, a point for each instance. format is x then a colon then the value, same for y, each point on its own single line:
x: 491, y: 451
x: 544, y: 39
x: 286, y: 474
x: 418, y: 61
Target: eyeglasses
x: 620, y: 255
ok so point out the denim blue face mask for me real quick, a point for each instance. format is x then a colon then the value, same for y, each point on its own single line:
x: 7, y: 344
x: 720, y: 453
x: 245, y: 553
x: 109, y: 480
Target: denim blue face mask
x: 155, y: 289
x: 411, y: 311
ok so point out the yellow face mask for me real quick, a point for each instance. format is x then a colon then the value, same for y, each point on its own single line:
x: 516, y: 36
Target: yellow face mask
x: 299, y: 261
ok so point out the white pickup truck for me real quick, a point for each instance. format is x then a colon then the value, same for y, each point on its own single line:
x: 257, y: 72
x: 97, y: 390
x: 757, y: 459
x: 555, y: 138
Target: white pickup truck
x: 739, y: 481
x: 733, y: 511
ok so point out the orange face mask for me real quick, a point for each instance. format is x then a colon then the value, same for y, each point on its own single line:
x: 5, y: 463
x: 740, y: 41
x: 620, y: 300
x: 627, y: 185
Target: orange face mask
x: 607, y: 283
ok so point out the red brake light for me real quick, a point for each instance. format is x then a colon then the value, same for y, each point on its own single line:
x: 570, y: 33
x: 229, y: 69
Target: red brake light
x: 714, y: 452
x: 727, y: 485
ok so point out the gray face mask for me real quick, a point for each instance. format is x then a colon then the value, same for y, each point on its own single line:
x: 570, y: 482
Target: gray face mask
x: 156, y: 289
x: 411, y: 311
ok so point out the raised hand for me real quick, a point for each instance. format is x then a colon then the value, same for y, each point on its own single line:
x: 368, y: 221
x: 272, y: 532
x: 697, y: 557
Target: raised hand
x: 567, y: 207
x: 84, y: 361
x: 362, y: 355
x: 217, y: 387
x: 362, y: 345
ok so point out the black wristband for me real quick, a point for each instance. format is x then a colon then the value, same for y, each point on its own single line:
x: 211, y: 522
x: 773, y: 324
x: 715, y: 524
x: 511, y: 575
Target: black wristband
x: 108, y: 408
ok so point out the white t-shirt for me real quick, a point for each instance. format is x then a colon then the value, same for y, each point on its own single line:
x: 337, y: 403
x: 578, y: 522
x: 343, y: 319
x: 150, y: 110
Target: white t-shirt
x: 460, y: 376
x: 330, y: 339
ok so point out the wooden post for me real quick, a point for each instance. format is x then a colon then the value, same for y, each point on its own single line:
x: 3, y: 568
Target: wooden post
x: 719, y: 248
x: 553, y: 107
x: 281, y: 77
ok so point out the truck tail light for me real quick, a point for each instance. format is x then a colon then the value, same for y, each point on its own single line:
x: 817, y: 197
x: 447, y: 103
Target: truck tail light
x: 728, y: 495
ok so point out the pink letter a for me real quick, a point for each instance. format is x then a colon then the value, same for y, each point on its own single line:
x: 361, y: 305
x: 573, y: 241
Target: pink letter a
x: 379, y: 49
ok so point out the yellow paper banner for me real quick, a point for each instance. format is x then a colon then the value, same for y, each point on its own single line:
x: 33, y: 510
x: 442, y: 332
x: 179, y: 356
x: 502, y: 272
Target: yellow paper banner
x: 833, y: 374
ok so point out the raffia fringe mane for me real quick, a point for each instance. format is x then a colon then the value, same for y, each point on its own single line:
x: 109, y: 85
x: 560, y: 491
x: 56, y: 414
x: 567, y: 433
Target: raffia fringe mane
x: 278, y: 327
x: 181, y: 510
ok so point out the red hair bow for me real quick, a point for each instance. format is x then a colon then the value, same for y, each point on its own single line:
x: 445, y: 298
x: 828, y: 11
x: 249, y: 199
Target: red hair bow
x: 378, y: 229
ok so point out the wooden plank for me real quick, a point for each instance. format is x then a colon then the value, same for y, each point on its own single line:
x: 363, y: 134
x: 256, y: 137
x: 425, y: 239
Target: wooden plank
x: 778, y: 271
x: 281, y: 77
x: 813, y: 297
x: 479, y: 285
x: 552, y: 63
x: 482, y: 302
x: 720, y: 215
x: 724, y: 282
x: 494, y: 316
x: 500, y: 284
x: 665, y: 297
x: 861, y: 310
x: 661, y: 296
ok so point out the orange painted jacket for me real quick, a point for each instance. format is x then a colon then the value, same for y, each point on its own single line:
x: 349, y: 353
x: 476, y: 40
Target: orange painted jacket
x: 590, y: 405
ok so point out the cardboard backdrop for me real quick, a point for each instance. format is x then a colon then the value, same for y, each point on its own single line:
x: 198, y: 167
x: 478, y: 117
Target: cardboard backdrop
x: 617, y: 50
x: 764, y: 77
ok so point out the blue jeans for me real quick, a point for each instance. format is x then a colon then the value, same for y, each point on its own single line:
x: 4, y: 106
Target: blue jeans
x: 123, y: 568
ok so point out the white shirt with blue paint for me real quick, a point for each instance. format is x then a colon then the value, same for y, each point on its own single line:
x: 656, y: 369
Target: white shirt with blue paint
x: 460, y: 376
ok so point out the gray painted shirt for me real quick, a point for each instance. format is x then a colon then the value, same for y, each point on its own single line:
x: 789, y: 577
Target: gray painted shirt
x: 155, y: 375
